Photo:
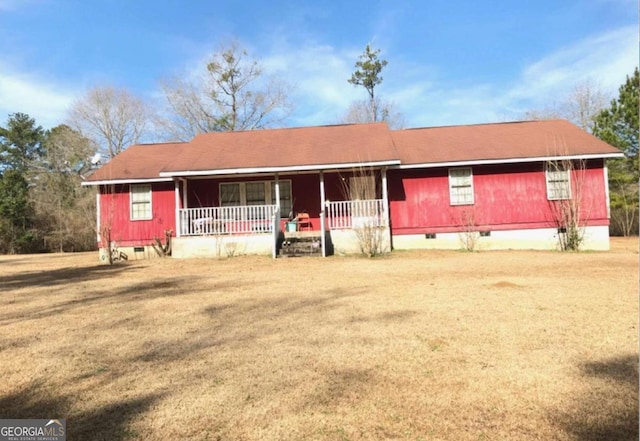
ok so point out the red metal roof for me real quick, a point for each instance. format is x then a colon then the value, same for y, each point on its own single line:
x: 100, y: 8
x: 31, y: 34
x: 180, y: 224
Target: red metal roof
x: 346, y: 145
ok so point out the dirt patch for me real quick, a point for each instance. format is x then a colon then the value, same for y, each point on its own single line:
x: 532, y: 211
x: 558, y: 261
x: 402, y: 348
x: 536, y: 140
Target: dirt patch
x: 504, y: 284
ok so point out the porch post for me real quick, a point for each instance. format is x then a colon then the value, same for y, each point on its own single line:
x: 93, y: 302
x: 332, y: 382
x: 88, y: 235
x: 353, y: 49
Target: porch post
x: 323, y: 240
x: 184, y: 194
x: 176, y: 185
x: 276, y: 217
x: 385, y: 203
x: 98, y: 217
x: 606, y: 187
x: 277, y: 187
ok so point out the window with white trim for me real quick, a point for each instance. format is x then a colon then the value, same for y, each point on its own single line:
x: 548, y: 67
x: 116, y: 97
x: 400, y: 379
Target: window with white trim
x: 461, y: 186
x: 255, y: 193
x: 558, y: 179
x: 140, y: 197
x: 234, y: 194
x: 230, y: 195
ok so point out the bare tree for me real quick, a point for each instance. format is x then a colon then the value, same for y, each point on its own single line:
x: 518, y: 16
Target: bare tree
x: 580, y: 106
x: 368, y: 222
x: 232, y: 94
x: 584, y: 102
x: 551, y: 111
x: 112, y: 118
x: 568, y: 204
x: 359, y: 112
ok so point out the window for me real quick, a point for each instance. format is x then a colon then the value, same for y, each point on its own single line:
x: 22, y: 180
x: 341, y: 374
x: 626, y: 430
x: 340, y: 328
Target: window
x: 256, y: 193
x: 140, y: 197
x: 230, y: 195
x: 558, y: 182
x: 461, y: 186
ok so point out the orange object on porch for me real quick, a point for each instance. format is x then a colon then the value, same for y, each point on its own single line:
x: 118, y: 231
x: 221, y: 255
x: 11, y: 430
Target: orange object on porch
x: 304, y: 223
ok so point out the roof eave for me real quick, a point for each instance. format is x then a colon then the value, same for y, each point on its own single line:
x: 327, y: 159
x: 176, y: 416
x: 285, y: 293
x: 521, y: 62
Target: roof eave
x: 511, y: 160
x: 280, y: 169
x: 125, y: 181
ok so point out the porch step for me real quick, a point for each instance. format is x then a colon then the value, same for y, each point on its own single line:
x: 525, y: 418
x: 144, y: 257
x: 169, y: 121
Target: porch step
x: 301, y: 245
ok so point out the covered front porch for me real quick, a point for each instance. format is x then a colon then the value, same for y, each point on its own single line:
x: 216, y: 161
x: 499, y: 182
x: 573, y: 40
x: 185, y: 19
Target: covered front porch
x: 310, y: 213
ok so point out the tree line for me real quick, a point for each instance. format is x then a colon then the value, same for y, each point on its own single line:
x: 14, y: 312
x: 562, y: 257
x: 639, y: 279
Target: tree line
x: 43, y: 207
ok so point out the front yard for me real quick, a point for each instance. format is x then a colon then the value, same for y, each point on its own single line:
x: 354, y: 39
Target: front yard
x: 415, y: 346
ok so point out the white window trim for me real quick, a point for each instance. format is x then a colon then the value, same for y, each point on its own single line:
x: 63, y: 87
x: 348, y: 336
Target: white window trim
x: 150, y: 192
x: 452, y: 187
x: 267, y: 192
x: 552, y: 169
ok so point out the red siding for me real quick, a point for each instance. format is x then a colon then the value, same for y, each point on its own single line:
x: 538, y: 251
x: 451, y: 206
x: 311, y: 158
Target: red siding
x: 115, y: 211
x: 506, y: 197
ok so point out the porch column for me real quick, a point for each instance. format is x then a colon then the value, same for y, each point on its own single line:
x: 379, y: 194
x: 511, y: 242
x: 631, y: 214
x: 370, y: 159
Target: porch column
x: 385, y: 203
x: 277, y: 188
x: 176, y: 185
x: 98, y: 217
x: 323, y: 240
x: 276, y: 216
x: 184, y: 194
x: 606, y: 188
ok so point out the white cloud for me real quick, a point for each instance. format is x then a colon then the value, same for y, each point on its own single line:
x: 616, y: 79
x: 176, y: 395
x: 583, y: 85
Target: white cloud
x: 321, y: 93
x: 47, y: 103
x: 604, y: 59
x: 318, y: 74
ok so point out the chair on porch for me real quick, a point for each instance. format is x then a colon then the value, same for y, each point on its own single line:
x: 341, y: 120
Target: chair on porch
x: 304, y: 222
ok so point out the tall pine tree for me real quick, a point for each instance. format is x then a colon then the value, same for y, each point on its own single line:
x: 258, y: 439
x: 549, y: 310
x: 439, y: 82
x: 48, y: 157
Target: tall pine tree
x: 20, y: 148
x: 618, y: 125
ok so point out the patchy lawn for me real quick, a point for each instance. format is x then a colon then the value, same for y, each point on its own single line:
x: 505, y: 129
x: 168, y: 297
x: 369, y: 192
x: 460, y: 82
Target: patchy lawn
x: 415, y: 346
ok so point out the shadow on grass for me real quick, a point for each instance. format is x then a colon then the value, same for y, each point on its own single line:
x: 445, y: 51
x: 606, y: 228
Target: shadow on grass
x: 609, y: 411
x: 112, y: 421
x: 133, y: 292
x: 60, y: 276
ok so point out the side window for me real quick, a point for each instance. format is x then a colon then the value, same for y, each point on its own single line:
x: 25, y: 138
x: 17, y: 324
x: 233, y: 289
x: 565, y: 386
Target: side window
x: 461, y: 186
x: 558, y: 181
x: 140, y: 197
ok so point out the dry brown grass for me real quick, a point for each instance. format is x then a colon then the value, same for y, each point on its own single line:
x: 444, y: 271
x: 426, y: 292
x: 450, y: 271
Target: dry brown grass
x: 415, y: 346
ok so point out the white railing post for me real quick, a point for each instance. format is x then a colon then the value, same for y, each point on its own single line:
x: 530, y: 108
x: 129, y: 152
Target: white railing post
x: 275, y: 229
x: 176, y: 184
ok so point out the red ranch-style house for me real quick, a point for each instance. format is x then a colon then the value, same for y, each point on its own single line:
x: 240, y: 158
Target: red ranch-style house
x: 315, y: 188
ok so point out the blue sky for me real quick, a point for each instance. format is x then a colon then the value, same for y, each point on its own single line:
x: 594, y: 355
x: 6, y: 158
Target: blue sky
x: 449, y: 62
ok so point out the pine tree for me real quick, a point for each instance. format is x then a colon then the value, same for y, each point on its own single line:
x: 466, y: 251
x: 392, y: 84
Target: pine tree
x: 618, y: 125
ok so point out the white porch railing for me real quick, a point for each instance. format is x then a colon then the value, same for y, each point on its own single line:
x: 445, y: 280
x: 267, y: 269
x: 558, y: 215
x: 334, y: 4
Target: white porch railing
x: 355, y: 214
x: 248, y: 219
